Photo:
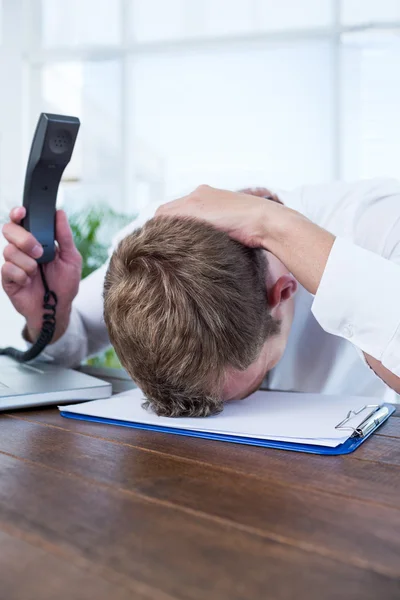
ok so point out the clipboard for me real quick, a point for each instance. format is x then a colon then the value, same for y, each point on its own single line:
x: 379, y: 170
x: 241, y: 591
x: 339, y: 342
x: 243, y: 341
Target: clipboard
x: 377, y: 415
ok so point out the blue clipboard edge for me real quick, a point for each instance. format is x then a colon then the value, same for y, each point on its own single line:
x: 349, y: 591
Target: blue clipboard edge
x: 346, y: 448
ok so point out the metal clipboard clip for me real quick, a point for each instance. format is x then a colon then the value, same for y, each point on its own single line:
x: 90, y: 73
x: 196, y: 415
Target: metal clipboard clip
x: 374, y: 418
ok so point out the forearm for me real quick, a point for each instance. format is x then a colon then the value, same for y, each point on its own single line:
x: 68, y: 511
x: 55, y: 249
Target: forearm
x: 356, y: 291
x: 302, y: 246
x: 392, y: 380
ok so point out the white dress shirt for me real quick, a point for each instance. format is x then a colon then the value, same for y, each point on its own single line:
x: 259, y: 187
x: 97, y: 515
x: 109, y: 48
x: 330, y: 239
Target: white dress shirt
x: 356, y: 308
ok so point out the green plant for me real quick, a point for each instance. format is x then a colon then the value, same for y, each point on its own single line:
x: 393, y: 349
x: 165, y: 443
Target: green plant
x: 93, y: 229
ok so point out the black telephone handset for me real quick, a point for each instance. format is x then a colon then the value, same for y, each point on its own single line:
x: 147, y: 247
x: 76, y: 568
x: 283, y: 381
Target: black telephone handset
x: 51, y: 151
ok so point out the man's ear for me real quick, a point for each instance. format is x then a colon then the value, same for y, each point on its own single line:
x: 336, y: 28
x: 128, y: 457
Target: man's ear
x: 283, y: 289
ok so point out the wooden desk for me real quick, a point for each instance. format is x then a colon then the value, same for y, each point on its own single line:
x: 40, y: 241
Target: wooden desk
x: 91, y: 511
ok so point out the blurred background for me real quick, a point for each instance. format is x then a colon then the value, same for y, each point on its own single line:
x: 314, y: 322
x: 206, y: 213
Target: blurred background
x: 174, y: 93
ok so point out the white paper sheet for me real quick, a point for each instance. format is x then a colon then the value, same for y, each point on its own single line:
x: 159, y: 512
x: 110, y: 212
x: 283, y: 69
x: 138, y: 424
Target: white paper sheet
x: 282, y: 416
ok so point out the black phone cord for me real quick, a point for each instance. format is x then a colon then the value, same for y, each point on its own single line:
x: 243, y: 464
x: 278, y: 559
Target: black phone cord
x: 47, y: 331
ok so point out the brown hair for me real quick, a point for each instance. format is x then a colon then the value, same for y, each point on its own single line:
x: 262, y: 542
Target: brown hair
x: 182, y: 302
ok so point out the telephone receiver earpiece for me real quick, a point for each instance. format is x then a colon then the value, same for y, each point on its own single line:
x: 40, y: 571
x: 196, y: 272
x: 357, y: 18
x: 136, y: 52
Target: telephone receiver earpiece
x: 50, y: 153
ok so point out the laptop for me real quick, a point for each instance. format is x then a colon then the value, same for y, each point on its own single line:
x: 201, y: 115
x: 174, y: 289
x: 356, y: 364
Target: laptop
x: 40, y: 383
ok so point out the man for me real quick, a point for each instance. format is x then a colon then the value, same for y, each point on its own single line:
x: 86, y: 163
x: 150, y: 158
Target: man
x: 341, y: 243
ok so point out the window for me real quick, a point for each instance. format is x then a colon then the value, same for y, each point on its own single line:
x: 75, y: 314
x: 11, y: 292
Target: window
x: 77, y: 22
x: 92, y: 92
x: 251, y: 116
x: 172, y: 93
x: 356, y: 12
x: 1, y: 22
x: 179, y: 19
x: 286, y: 14
x: 223, y: 17
x: 158, y: 20
x: 14, y: 103
x: 371, y: 97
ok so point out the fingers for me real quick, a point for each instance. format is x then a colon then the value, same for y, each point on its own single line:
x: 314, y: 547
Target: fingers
x: 261, y: 193
x: 25, y: 241
x: 256, y: 191
x: 64, y: 235
x: 167, y: 206
x: 22, y: 239
x: 162, y: 210
x: 182, y: 206
x: 17, y: 214
x: 19, y: 259
x: 12, y: 274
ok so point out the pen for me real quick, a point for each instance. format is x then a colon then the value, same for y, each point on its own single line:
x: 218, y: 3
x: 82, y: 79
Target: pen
x: 373, y: 421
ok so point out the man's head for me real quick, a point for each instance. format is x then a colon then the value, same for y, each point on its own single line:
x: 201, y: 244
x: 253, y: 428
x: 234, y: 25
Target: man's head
x: 195, y: 317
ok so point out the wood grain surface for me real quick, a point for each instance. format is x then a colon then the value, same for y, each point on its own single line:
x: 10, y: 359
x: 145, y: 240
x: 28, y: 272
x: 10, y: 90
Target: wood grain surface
x: 95, y: 511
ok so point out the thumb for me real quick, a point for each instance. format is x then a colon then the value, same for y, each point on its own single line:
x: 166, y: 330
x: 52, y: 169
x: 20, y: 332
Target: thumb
x: 64, y: 235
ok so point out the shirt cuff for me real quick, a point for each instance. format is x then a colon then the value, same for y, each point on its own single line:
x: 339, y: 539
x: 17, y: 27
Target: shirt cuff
x: 71, y: 348
x: 358, y: 300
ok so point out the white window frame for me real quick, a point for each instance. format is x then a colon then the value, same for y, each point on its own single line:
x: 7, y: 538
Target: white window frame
x: 23, y: 48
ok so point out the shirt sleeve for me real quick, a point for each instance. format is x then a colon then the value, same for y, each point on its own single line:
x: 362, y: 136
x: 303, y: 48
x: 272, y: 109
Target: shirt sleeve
x: 358, y: 299
x: 71, y: 349
x: 363, y: 211
x: 86, y: 333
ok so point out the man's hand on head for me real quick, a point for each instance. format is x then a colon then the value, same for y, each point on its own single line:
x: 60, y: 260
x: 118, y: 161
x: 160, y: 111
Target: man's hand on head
x: 261, y: 192
x: 302, y: 246
x: 243, y: 215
